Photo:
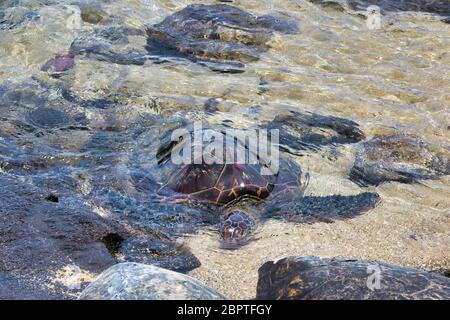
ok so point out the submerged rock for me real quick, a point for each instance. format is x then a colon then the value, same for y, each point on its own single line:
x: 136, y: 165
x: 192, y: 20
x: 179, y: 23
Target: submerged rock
x: 60, y: 63
x: 314, y: 278
x: 24, y: 95
x: 111, y: 44
x: 159, y: 252
x: 134, y: 281
x: 48, y: 118
x: 173, y: 219
x: 32, y: 105
x: 92, y: 13
x: 309, y: 131
x: 15, y: 17
x: 215, y: 35
x: 331, y: 4
x: 30, y: 4
x: 401, y: 158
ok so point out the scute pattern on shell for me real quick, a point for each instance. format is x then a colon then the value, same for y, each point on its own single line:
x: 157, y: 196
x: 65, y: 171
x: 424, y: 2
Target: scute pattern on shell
x: 220, y: 184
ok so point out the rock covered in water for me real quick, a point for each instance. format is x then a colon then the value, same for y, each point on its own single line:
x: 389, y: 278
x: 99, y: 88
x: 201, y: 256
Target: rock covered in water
x: 15, y: 17
x: 24, y: 95
x: 299, y: 132
x: 338, y: 5
x: 111, y: 44
x: 134, y: 281
x: 48, y: 118
x: 174, y: 219
x: 401, y: 158
x: 92, y: 13
x: 314, y: 278
x: 212, y: 34
x: 159, y: 252
x: 31, y: 105
x: 30, y: 4
x: 60, y: 63
x: 46, y: 223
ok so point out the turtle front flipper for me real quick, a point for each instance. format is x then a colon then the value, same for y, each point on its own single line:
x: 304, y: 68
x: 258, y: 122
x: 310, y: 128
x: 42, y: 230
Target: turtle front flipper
x: 313, y: 209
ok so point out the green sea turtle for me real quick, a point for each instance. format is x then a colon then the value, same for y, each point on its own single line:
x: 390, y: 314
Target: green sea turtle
x: 243, y: 193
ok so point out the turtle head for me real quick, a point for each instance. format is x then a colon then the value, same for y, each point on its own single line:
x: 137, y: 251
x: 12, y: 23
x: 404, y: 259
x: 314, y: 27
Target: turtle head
x: 236, y: 229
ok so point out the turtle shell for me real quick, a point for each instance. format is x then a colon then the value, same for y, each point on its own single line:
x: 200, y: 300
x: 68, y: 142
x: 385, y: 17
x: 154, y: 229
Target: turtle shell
x: 221, y: 183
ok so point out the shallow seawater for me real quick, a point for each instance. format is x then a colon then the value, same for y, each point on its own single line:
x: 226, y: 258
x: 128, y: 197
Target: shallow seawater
x: 393, y: 79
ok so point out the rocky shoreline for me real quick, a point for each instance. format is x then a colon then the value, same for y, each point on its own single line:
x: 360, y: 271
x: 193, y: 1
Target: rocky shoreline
x: 82, y: 214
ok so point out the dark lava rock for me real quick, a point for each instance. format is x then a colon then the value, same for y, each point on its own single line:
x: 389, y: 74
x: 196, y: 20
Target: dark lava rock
x: 16, y: 17
x: 39, y: 237
x: 161, y: 253
x: 299, y: 132
x: 48, y: 118
x: 135, y: 281
x: 110, y: 44
x: 47, y: 223
x: 25, y: 95
x: 401, y: 158
x: 33, y: 99
x: 314, y: 278
x: 215, y: 35
x: 17, y: 288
